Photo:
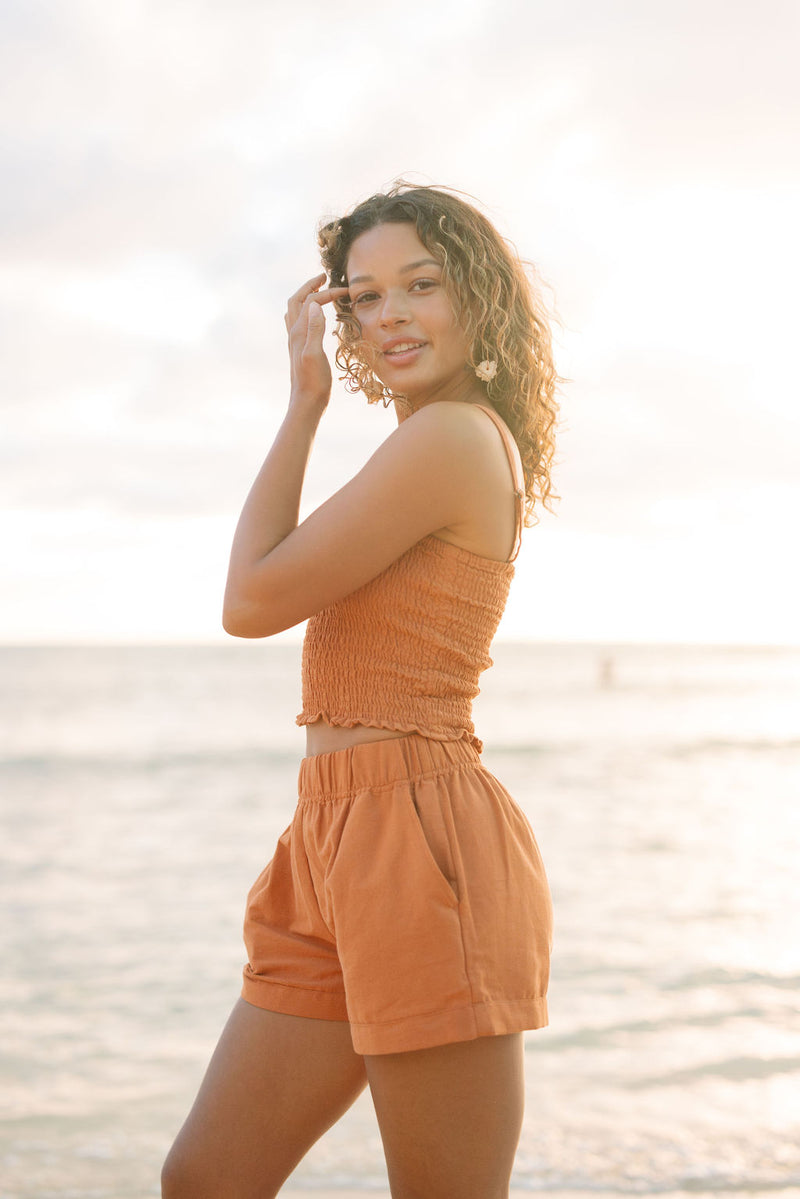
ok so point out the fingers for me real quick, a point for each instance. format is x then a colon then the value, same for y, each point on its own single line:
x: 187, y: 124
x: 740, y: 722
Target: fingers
x: 330, y: 293
x: 307, y: 288
x: 310, y: 369
x: 316, y: 323
x: 310, y: 290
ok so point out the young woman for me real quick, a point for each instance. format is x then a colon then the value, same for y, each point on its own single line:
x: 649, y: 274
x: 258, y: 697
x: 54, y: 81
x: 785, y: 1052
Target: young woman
x: 401, y: 934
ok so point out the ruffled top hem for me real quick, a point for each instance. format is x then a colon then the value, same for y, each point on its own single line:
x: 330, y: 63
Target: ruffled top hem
x: 435, y: 732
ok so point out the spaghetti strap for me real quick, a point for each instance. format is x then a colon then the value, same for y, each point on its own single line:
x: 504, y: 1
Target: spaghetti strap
x: 515, y: 461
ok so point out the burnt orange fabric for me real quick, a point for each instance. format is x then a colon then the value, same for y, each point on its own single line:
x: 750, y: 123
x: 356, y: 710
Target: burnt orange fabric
x: 407, y: 897
x: 405, y: 651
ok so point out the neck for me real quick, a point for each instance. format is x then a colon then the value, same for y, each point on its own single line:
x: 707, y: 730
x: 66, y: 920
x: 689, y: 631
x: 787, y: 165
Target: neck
x: 466, y: 390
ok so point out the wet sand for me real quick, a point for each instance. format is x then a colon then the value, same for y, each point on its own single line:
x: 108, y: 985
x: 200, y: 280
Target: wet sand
x: 332, y: 1193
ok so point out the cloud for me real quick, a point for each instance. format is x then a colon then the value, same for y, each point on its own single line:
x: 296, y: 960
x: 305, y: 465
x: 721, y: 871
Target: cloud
x: 651, y: 431
x: 163, y: 168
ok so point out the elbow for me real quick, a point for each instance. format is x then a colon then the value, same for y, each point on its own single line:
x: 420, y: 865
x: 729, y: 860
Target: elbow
x: 233, y: 625
x: 250, y: 620
x: 239, y: 622
x: 247, y: 613
x: 241, y: 617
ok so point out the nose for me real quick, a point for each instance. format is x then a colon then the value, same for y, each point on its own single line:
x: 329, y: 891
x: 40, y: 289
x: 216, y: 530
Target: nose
x: 394, y: 310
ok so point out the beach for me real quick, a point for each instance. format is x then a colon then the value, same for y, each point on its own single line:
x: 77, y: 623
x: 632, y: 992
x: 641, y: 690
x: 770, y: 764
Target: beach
x: 144, y: 788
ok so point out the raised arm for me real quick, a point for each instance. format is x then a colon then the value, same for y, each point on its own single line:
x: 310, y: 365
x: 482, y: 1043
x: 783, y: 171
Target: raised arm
x: 427, y: 475
x: 272, y: 507
x: 424, y: 477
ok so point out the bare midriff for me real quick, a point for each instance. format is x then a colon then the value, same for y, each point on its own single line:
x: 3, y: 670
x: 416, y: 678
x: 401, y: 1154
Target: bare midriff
x: 324, y: 738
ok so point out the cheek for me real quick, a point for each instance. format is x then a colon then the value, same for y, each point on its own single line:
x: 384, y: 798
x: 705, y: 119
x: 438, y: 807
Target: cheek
x: 452, y: 329
x: 457, y: 341
x: 369, y: 328
x: 366, y: 345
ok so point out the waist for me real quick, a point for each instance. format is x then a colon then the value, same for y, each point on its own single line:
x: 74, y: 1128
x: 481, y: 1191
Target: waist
x: 324, y: 738
x: 344, y: 772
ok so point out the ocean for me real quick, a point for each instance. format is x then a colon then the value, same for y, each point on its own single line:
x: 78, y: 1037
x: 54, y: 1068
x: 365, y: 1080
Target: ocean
x: 144, y: 787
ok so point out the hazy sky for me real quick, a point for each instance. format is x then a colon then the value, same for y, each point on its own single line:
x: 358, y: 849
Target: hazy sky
x: 164, y: 168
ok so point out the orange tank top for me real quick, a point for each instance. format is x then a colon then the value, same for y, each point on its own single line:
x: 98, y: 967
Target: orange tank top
x: 405, y: 651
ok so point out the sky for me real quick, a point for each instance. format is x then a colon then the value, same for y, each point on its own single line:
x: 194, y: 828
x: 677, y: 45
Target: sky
x: 164, y: 169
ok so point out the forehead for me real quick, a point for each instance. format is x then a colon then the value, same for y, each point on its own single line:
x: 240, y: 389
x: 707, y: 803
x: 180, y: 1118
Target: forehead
x: 385, y: 248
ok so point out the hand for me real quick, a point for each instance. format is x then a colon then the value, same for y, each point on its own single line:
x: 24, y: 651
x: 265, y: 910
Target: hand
x: 305, y: 324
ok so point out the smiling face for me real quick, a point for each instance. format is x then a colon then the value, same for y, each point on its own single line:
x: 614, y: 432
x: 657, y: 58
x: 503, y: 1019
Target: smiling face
x: 414, y: 344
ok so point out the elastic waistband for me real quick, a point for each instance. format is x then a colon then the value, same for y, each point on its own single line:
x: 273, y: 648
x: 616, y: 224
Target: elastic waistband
x: 342, y: 773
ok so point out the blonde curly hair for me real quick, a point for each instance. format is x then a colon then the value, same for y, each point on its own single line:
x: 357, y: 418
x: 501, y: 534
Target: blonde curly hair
x: 495, y: 299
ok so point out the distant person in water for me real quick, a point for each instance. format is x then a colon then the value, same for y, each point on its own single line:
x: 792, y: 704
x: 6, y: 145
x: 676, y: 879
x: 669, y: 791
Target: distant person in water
x: 400, y: 936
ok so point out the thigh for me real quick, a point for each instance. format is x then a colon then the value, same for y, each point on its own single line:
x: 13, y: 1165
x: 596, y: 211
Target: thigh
x: 274, y: 1085
x: 450, y: 1117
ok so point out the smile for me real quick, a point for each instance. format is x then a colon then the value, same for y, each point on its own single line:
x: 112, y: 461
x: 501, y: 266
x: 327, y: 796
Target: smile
x: 403, y: 347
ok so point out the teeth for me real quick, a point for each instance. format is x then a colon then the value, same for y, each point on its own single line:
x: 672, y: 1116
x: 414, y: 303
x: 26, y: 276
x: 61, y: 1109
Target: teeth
x: 405, y: 345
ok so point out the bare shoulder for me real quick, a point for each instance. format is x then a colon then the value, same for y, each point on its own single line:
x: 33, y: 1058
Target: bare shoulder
x: 466, y: 445
x: 450, y: 428
x: 449, y: 415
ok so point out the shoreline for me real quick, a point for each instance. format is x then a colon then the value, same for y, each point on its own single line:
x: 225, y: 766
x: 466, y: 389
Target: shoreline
x: 777, y: 1192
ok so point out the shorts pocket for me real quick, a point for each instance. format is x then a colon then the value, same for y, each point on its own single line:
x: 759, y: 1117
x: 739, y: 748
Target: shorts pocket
x: 424, y: 810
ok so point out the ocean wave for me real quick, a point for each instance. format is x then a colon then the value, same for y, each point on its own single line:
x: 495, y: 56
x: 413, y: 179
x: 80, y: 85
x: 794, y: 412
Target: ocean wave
x: 734, y: 1069
x: 147, y: 763
x: 601, y: 1036
x: 721, y: 1184
x: 739, y: 744
x: 643, y: 743
x: 717, y: 977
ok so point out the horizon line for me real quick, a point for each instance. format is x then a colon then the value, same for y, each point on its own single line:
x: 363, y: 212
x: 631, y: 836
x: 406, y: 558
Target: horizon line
x: 219, y: 643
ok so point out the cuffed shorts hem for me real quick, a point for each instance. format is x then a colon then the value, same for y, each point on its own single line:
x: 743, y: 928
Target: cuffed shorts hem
x: 490, y: 1019
x: 293, y: 1001
x: 424, y: 1031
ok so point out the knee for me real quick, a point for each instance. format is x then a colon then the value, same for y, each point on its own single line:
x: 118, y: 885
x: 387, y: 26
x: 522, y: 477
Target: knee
x: 182, y: 1177
x: 185, y: 1175
x: 175, y: 1180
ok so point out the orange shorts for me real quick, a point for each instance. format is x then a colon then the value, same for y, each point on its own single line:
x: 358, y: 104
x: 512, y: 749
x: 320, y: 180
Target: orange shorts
x: 407, y: 897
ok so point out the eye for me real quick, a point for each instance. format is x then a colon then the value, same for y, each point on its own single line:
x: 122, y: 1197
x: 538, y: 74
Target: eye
x: 365, y: 298
x: 423, y: 284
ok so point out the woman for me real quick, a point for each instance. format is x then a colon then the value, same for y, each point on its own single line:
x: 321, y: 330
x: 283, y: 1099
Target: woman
x: 401, y: 934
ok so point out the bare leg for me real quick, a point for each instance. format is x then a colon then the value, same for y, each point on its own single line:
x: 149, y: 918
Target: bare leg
x: 450, y: 1117
x: 274, y: 1085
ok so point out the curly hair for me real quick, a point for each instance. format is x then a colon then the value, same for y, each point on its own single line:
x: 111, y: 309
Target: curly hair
x: 495, y: 299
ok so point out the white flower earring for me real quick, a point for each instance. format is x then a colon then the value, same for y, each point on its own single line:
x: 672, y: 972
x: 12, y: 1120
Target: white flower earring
x: 486, y: 370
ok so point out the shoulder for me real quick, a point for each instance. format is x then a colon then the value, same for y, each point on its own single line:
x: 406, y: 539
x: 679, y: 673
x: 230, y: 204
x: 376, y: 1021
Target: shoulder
x: 448, y: 414
x: 448, y: 427
x: 446, y: 451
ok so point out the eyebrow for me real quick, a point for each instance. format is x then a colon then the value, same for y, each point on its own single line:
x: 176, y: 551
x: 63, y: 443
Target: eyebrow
x: 412, y: 266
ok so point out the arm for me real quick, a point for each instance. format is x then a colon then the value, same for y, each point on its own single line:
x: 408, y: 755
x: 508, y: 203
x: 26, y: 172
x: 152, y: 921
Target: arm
x: 271, y: 509
x: 428, y: 474
x: 272, y: 506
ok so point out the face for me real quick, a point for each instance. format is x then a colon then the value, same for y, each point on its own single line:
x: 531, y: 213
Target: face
x: 416, y: 347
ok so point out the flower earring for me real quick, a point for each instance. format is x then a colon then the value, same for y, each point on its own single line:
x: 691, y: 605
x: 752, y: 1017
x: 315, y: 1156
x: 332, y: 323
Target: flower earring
x: 486, y: 370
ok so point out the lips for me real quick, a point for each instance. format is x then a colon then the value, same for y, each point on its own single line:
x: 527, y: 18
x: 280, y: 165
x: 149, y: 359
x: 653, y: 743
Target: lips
x: 399, y: 346
x: 402, y: 351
